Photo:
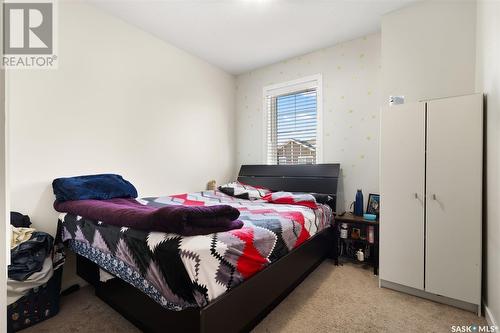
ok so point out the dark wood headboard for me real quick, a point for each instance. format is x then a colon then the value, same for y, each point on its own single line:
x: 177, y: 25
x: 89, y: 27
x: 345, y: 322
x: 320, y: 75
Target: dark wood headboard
x: 313, y: 178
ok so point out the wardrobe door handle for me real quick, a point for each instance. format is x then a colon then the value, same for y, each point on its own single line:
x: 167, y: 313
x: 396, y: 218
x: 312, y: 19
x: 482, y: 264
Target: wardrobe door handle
x: 416, y: 195
x: 434, y: 197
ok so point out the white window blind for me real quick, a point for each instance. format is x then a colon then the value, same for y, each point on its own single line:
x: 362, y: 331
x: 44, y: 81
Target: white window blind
x: 292, y: 127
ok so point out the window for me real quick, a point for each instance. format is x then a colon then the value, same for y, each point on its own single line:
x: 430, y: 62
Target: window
x: 291, y: 117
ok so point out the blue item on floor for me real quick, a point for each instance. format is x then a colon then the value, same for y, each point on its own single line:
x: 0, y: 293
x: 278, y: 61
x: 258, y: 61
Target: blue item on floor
x: 39, y: 304
x: 28, y: 257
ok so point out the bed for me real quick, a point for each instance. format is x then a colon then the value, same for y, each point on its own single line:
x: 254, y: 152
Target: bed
x: 211, y: 283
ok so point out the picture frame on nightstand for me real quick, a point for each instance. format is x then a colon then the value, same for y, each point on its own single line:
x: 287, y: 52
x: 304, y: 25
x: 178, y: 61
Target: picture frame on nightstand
x: 373, y: 205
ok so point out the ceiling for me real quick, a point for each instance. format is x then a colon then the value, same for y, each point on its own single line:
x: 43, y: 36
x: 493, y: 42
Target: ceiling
x: 241, y: 35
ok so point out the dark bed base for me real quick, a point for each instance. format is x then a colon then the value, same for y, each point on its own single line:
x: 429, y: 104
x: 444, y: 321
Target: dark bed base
x: 240, y: 309
x: 236, y: 311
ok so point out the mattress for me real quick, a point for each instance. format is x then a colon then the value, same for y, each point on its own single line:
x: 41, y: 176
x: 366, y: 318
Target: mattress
x: 182, y: 272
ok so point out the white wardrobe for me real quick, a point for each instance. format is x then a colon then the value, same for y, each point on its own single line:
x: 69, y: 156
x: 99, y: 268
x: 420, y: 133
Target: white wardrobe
x: 431, y: 162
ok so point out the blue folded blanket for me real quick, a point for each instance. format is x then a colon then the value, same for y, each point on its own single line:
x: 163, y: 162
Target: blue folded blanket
x: 99, y: 187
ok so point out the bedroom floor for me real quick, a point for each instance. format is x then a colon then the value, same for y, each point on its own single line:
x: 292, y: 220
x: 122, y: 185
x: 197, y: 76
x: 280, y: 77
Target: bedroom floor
x: 344, y: 299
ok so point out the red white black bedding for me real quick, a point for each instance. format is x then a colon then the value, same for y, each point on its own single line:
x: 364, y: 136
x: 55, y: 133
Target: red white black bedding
x: 190, y: 271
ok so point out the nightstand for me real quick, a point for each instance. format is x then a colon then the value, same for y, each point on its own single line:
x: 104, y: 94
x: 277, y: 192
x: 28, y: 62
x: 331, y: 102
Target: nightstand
x: 348, y: 242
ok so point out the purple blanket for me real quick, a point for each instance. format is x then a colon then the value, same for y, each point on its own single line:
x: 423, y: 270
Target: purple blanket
x: 182, y: 220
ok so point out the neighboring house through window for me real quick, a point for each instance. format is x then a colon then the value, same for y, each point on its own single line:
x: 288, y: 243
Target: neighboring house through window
x: 292, y: 120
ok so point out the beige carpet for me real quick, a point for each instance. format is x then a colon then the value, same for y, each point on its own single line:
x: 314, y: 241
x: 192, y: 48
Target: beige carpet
x: 332, y: 299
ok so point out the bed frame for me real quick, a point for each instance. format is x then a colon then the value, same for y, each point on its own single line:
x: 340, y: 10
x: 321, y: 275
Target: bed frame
x: 243, y: 307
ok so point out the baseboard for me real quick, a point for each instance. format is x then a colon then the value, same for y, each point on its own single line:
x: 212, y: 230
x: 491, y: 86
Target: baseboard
x: 489, y: 317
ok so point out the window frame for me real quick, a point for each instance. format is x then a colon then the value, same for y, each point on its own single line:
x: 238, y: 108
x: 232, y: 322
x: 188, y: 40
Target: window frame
x: 289, y: 87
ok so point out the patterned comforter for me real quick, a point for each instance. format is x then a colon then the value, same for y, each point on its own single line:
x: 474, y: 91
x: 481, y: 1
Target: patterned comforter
x: 181, y: 272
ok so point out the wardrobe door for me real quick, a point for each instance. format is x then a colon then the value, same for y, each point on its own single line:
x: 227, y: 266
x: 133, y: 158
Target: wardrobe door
x: 402, y: 166
x: 454, y: 191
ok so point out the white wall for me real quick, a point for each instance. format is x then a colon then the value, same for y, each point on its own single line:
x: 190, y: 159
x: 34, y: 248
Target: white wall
x: 350, y: 108
x: 488, y: 81
x: 3, y: 201
x: 428, y: 50
x: 121, y: 101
